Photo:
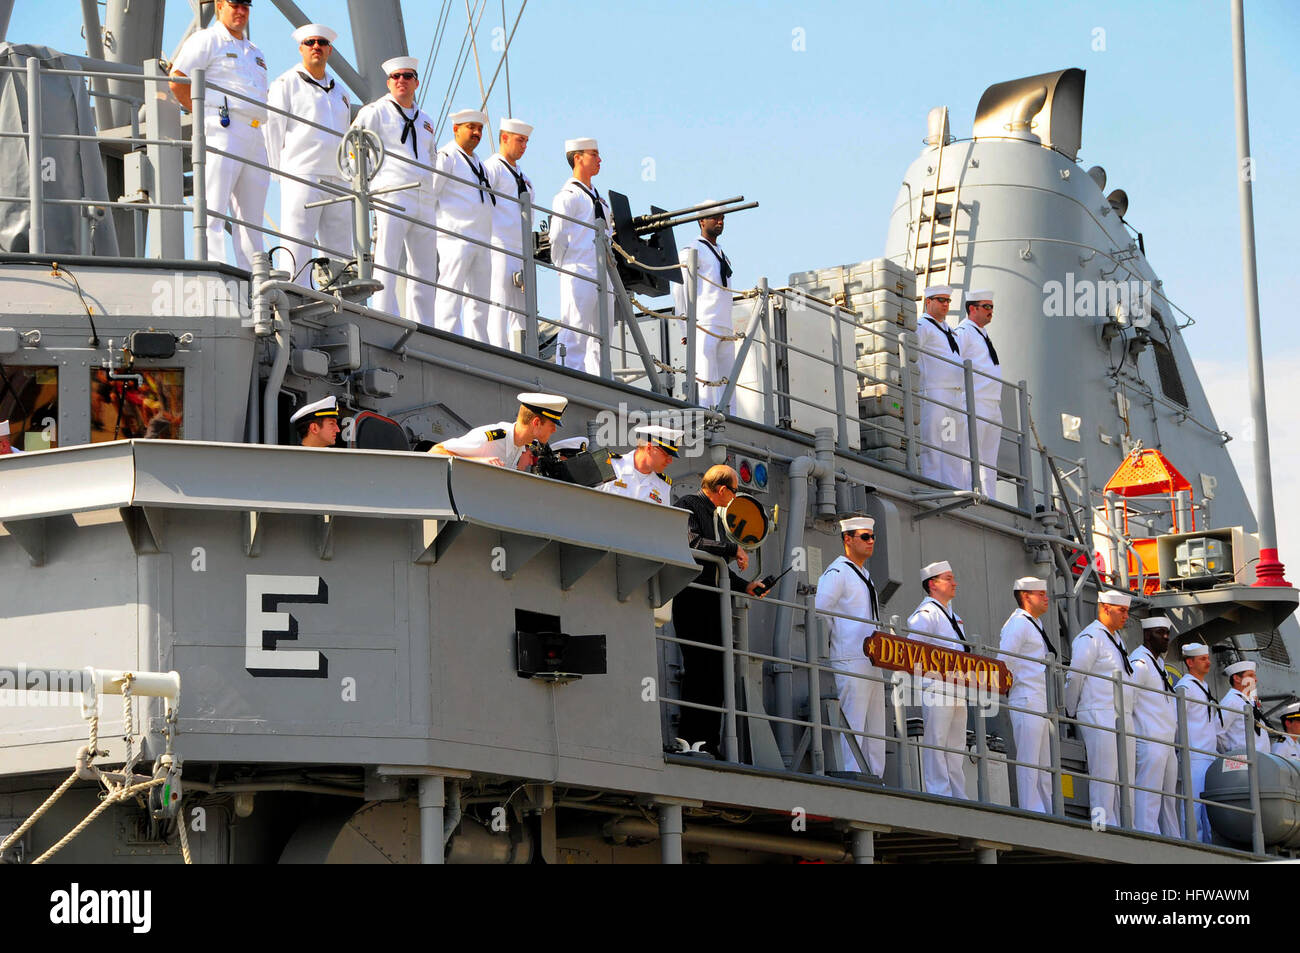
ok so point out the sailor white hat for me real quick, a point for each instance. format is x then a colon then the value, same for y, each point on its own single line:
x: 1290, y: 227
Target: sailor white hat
x: 1193, y: 649
x: 468, y: 115
x: 1113, y: 598
x: 855, y: 523
x: 665, y: 438
x: 935, y: 569
x: 1157, y: 622
x: 934, y: 290
x: 325, y: 407
x: 547, y: 405
x: 1029, y: 584
x: 516, y: 126
x: 579, y: 145
x: 399, y: 63
x: 4, y: 428
x: 308, y: 30
x: 981, y: 295
x: 1236, y: 668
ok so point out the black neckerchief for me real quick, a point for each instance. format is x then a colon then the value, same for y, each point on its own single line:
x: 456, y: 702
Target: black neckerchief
x: 947, y: 332
x: 952, y: 621
x: 519, y: 177
x: 993, y: 352
x: 1256, y: 714
x: 1209, y: 712
x: 1034, y: 623
x: 481, y: 176
x: 319, y: 85
x: 408, y: 126
x: 871, y: 590
x: 1128, y: 666
x: 1164, y: 676
x: 723, y: 262
x: 596, y: 204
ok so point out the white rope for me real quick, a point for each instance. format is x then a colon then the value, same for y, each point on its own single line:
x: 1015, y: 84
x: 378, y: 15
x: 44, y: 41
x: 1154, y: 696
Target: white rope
x: 183, y: 833
x: 36, y: 815
x: 115, y: 794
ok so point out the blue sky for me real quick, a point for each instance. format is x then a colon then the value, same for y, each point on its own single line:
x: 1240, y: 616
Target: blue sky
x: 720, y: 100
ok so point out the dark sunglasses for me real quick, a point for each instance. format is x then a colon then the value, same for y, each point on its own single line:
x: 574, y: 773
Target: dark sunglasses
x: 317, y: 41
x: 406, y: 75
x: 865, y: 535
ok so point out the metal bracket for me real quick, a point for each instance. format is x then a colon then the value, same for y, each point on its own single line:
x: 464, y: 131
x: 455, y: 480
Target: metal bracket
x: 958, y: 499
x: 576, y: 562
x: 252, y: 521
x: 432, y: 539
x: 144, y: 526
x: 325, y: 535
x: 520, y: 550
x: 632, y: 573
x: 30, y: 535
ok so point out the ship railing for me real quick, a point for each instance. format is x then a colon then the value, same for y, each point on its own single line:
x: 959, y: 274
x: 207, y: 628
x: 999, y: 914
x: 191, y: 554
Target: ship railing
x: 823, y: 731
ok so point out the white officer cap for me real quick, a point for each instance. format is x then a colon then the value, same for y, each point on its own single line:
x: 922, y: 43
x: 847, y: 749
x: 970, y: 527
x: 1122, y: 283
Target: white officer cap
x: 1236, y: 668
x: 516, y: 126
x: 309, y: 30
x: 935, y: 290
x: 665, y: 438
x: 569, y: 443
x: 935, y: 569
x: 981, y: 295
x: 1113, y: 598
x: 1193, y: 649
x: 399, y: 63
x: 1029, y: 584
x: 579, y: 145
x: 1290, y: 711
x: 547, y: 405
x: 855, y: 523
x: 4, y: 428
x: 325, y: 407
x: 468, y: 115
x: 1157, y: 622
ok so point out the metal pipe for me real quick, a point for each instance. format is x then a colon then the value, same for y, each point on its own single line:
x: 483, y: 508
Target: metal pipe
x: 433, y: 798
x: 812, y: 650
x: 1252, y: 777
x: 742, y: 352
x: 1054, y: 733
x: 252, y: 419
x: 35, y: 148
x: 730, y: 747
x: 837, y: 353
x: 864, y: 846
x: 453, y: 816
x: 531, y: 345
x: 95, y: 48
x: 1025, y: 491
x: 769, y: 369
x: 198, y: 161
x: 743, y: 840
x: 972, y: 433
x: 1268, y: 571
x: 605, y: 335
x: 692, y: 294
x: 670, y: 833
x: 257, y: 787
x: 910, y: 431
x: 1185, y: 768
x: 981, y: 760
x: 1121, y: 749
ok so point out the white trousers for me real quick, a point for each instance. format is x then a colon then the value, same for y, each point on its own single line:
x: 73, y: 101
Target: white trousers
x: 332, y: 223
x: 863, y: 703
x: 944, y: 772
x: 501, y: 322
x: 1103, y: 761
x: 579, y: 309
x: 1200, y: 765
x: 989, y: 437
x: 713, y: 360
x: 462, y: 266
x: 393, y: 236
x: 1157, y: 767
x: 234, y: 188
x: 1033, y: 785
x: 944, y: 430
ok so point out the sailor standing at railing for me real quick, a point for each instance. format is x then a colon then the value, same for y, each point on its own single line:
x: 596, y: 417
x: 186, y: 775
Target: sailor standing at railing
x: 944, y: 708
x: 1023, y: 634
x: 1096, y: 655
x: 974, y: 344
x: 1289, y: 745
x: 1155, y: 715
x: 232, y: 125
x: 464, y: 212
x: 1241, y: 709
x: 574, y: 247
x: 846, y: 588
x: 504, y: 175
x: 715, y: 352
x: 640, y: 474
x: 1203, y: 724
x: 944, y: 441
x: 408, y: 137
x: 308, y: 92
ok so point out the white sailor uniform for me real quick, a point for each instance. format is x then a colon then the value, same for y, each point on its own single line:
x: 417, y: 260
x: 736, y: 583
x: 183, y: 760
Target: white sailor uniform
x: 507, y: 235
x: 713, y: 355
x: 231, y: 187
x: 973, y: 344
x: 494, y: 440
x: 1024, y: 635
x: 944, y: 430
x: 944, y: 772
x: 630, y: 482
x: 1095, y: 656
x: 1288, y: 747
x: 464, y: 212
x: 1203, y: 724
x: 1155, y: 715
x: 574, y: 248
x: 1238, y: 713
x: 298, y: 149
x: 848, y: 589
x: 408, y: 137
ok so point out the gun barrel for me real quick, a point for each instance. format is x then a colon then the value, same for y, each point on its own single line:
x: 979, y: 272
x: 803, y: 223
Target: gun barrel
x: 652, y: 223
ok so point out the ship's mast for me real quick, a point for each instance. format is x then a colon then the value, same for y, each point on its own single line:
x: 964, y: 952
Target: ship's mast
x: 1269, y: 571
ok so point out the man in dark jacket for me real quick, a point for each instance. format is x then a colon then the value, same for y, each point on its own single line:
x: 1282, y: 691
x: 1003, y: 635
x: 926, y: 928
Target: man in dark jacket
x: 697, y: 613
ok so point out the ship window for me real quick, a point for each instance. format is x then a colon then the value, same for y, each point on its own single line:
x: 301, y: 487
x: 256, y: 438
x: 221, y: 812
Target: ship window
x: 146, y: 403
x: 1271, y: 647
x: 1171, y: 381
x: 29, y: 400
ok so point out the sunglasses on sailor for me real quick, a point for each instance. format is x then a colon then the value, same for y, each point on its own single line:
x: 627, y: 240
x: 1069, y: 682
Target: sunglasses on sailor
x: 986, y: 307
x: 408, y: 75
x: 864, y: 535
x: 316, y: 41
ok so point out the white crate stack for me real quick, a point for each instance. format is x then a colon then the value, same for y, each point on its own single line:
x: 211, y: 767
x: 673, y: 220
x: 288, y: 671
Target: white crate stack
x: 882, y: 294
